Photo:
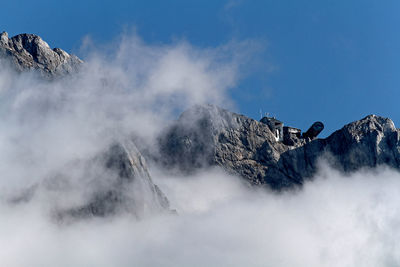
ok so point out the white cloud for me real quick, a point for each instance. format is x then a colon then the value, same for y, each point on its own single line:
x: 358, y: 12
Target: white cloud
x: 333, y: 221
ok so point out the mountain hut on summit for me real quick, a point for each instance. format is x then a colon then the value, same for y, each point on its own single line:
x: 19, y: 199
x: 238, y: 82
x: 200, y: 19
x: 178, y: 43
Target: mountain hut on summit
x: 290, y: 135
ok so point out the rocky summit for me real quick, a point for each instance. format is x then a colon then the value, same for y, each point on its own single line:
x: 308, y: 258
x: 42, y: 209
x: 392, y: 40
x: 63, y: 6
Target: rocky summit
x: 30, y: 52
x: 207, y: 135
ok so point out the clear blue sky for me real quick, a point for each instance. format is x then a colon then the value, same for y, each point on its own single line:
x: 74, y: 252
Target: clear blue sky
x: 334, y: 61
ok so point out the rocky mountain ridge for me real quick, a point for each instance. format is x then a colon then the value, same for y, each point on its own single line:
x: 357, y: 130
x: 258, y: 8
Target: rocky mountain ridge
x: 204, y: 136
x: 210, y: 136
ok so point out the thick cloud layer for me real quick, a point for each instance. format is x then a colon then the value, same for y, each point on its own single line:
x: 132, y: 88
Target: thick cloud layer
x: 48, y: 128
x: 333, y: 221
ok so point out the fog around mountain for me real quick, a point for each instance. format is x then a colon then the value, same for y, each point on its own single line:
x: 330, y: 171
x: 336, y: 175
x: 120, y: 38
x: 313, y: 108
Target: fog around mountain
x: 133, y: 89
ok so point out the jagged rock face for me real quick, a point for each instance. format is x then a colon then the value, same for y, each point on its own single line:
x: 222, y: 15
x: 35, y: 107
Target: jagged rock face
x: 130, y: 188
x: 207, y: 135
x: 368, y: 142
x: 116, y: 181
x: 30, y: 52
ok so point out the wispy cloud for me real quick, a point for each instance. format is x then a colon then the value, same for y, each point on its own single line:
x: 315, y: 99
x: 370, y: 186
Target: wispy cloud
x: 230, y: 4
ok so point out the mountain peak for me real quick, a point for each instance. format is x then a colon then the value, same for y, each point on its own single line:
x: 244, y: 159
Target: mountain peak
x: 30, y: 52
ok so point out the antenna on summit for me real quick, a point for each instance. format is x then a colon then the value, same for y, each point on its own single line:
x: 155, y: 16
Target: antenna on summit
x: 261, y: 114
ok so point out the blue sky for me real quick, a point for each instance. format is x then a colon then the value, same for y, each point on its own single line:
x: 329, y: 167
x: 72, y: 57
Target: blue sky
x: 334, y: 61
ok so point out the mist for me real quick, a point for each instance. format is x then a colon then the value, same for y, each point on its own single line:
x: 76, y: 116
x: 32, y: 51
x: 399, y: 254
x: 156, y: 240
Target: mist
x: 332, y: 221
x: 133, y: 89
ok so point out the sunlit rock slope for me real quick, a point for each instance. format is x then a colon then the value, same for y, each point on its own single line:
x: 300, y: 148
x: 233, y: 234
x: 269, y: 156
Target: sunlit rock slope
x: 30, y: 52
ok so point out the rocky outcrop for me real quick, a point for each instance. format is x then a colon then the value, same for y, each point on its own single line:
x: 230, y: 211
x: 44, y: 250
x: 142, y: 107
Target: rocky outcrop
x: 368, y: 142
x: 126, y: 185
x: 116, y: 181
x: 30, y: 52
x: 207, y: 135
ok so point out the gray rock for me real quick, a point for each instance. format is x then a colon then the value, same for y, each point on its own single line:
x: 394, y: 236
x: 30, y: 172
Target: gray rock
x: 116, y: 181
x: 30, y: 52
x: 210, y: 136
x: 129, y: 188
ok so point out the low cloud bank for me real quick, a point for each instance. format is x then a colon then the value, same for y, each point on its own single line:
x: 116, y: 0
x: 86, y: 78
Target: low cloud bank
x: 332, y: 221
x: 48, y: 129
